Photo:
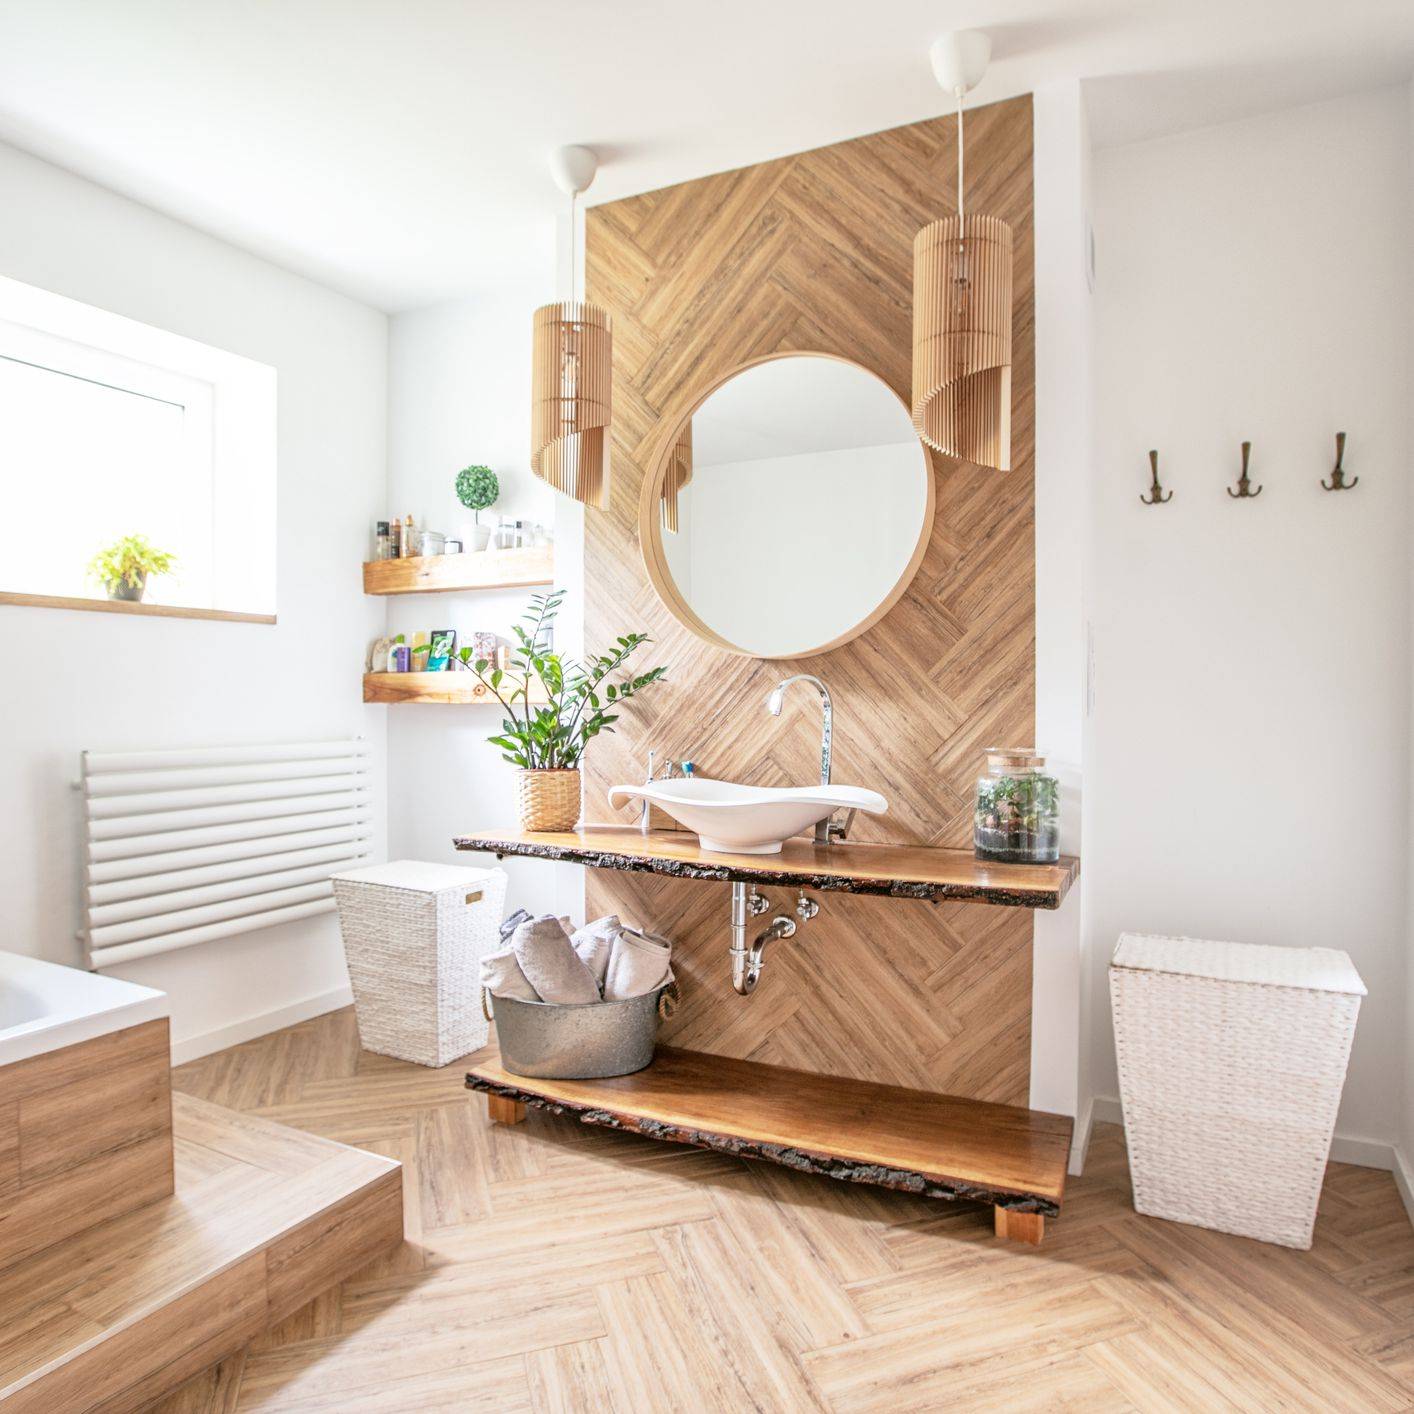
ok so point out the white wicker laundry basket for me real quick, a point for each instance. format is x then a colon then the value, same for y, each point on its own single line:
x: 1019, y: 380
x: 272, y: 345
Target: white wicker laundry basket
x: 414, y: 935
x: 1231, y: 1062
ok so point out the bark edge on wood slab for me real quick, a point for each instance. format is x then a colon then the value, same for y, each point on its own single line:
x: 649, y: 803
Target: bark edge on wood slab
x: 768, y: 875
x: 804, y: 1161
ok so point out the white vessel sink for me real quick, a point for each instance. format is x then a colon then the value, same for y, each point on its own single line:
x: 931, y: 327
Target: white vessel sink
x: 733, y: 819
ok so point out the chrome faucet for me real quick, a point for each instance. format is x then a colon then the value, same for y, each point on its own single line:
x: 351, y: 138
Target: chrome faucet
x: 684, y: 768
x: 824, y: 831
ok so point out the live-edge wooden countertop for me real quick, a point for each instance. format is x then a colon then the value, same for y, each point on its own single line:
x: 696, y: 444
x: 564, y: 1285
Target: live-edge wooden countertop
x: 895, y: 871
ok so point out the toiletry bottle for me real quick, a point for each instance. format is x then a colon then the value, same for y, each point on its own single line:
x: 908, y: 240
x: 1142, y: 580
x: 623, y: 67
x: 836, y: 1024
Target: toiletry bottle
x: 409, y: 546
x: 395, y: 540
x: 381, y: 542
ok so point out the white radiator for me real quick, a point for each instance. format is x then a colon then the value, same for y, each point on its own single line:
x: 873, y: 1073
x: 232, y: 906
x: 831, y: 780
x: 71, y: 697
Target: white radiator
x: 182, y: 847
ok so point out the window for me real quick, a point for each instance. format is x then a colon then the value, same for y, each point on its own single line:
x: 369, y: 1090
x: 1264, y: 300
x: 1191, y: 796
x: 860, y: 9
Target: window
x: 110, y: 428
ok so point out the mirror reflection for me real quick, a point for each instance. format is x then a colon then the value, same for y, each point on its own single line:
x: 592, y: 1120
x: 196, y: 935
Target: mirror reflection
x: 792, y: 505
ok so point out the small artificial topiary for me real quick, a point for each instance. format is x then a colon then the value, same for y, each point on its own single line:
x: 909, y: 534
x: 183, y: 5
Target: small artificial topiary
x: 123, y: 566
x: 477, y: 488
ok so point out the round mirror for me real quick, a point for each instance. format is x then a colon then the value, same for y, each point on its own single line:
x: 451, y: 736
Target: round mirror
x: 792, y: 509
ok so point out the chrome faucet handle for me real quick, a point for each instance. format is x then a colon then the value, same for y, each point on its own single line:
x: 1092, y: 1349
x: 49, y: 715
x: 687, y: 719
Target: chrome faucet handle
x: 683, y: 768
x: 839, y: 829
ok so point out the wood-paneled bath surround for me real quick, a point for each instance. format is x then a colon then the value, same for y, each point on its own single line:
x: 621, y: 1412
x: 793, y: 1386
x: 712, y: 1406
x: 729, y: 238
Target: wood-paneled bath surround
x: 140, y: 1241
x: 85, y: 1135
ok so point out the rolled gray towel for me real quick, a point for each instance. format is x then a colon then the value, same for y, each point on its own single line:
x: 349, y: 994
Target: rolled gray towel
x: 550, y: 963
x: 594, y: 942
x: 638, y: 963
x: 513, y: 922
x: 502, y: 977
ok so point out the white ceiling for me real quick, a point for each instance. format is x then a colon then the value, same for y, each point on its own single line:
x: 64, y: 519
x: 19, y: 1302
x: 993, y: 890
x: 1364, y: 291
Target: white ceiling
x: 395, y: 149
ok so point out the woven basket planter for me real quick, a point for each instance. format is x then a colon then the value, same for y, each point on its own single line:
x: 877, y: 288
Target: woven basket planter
x: 548, y: 800
x: 1231, y: 1062
x: 414, y: 935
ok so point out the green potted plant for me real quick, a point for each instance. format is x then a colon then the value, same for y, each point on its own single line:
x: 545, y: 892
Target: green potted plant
x: 546, y: 744
x: 124, y: 566
x: 477, y: 489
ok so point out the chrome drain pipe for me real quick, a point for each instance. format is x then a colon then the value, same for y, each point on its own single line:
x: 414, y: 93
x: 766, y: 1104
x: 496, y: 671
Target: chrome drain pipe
x: 746, y: 961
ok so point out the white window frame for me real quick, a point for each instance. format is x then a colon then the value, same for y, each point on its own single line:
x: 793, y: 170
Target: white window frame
x: 230, y: 426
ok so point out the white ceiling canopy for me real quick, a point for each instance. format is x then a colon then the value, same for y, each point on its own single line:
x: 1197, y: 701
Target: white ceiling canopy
x: 395, y: 149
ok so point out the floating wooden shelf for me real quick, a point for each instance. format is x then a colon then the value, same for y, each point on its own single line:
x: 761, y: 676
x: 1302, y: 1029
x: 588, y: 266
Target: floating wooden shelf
x: 940, y: 1146
x: 262, y: 1220
x: 459, y: 688
x: 444, y: 574
x: 898, y: 871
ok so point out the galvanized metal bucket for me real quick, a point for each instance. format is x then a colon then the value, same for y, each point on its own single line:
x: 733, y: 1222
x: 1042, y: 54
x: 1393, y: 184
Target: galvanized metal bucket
x: 579, y: 1041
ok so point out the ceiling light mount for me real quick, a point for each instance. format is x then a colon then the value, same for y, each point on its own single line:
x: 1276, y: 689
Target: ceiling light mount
x: 574, y: 169
x: 960, y: 60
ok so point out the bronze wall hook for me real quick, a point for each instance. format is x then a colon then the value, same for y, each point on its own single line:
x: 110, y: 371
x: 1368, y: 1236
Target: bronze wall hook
x: 1156, y: 495
x: 1338, y: 481
x: 1244, y: 485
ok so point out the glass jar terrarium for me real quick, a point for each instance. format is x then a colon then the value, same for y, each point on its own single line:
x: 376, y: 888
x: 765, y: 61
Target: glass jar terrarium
x: 1017, y: 820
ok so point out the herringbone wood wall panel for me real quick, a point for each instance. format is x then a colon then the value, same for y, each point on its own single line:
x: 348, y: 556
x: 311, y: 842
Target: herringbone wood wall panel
x: 813, y: 253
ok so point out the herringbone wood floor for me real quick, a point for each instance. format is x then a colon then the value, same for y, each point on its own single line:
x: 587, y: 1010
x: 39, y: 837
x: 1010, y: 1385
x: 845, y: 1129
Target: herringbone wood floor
x: 555, y: 1266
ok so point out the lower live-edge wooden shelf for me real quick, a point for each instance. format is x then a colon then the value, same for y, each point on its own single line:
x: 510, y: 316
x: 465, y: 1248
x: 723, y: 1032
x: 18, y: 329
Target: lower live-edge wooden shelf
x: 939, y: 1146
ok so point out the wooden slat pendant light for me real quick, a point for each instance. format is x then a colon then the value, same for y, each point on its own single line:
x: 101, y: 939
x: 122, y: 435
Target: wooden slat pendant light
x: 677, y: 475
x: 962, y: 305
x: 571, y: 359
x: 571, y: 373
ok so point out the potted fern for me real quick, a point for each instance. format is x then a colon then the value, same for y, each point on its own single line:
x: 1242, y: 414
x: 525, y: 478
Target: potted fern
x: 477, y: 489
x: 546, y: 744
x: 124, y: 566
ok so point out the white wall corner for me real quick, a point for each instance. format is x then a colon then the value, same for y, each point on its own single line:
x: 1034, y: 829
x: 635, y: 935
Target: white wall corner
x: 1059, y: 1043
x: 1405, y: 1146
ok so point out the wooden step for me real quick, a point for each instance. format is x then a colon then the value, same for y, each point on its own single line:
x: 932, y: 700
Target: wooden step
x: 941, y: 1146
x: 263, y: 1218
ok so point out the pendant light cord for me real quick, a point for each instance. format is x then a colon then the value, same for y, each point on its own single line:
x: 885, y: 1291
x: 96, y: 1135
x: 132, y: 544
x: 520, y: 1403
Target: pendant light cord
x: 960, y: 159
x: 574, y: 251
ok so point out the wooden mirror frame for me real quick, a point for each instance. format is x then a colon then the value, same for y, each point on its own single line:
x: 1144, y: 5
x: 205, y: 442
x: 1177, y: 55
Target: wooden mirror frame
x: 650, y: 525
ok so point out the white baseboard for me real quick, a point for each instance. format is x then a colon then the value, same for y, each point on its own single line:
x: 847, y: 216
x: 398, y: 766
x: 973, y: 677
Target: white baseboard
x: 1345, y: 1149
x: 194, y: 1047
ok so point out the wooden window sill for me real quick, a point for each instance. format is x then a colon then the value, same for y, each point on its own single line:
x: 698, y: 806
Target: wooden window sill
x: 120, y: 606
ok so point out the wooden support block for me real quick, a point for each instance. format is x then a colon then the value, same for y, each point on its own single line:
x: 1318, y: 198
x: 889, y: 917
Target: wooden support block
x: 503, y: 1111
x: 1020, y: 1227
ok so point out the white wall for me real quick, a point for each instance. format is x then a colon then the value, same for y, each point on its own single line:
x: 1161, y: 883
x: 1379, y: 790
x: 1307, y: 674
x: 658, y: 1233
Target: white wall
x: 128, y: 682
x: 1248, y: 773
x: 459, y: 393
